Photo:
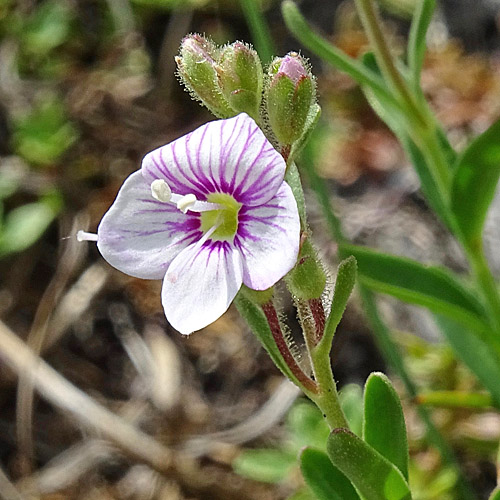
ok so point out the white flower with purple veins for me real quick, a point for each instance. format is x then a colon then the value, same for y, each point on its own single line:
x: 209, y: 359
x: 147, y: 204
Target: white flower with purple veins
x: 205, y: 213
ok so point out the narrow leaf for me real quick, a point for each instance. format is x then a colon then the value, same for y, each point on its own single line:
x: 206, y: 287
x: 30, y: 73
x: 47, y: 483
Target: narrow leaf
x: 455, y: 399
x: 416, y: 41
x: 477, y: 354
x: 474, y: 183
x: 325, y: 480
x: 373, y: 476
x: 410, y: 281
x: 384, y: 425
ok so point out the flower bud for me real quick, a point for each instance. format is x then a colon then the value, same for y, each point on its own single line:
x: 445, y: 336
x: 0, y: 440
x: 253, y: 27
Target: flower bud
x: 197, y: 69
x: 290, y: 97
x: 307, y: 280
x: 240, y: 78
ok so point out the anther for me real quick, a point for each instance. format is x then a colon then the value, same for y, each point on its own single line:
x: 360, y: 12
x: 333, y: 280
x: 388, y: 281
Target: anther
x: 186, y: 202
x: 161, y: 191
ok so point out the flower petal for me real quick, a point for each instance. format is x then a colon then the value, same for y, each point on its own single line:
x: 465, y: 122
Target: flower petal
x: 141, y: 236
x: 200, y: 284
x: 268, y: 238
x: 230, y: 156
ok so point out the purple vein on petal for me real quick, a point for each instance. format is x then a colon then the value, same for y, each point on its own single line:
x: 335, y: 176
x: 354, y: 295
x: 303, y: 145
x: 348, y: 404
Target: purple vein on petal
x: 193, y: 181
x: 247, y: 167
x: 208, y: 185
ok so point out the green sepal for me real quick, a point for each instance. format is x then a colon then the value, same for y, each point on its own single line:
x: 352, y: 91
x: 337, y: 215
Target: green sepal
x: 197, y: 69
x: 307, y: 280
x: 257, y: 296
x: 241, y: 78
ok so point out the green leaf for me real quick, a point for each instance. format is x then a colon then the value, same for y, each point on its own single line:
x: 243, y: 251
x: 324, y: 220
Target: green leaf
x: 266, y: 465
x: 25, y: 224
x: 384, y: 424
x: 307, y: 426
x: 351, y: 401
x: 373, y: 476
x: 474, y: 183
x: 325, y: 480
x: 43, y: 135
x: 416, y: 42
x: 47, y: 28
x: 477, y: 354
x: 410, y: 281
x: 346, y: 279
x: 254, y: 316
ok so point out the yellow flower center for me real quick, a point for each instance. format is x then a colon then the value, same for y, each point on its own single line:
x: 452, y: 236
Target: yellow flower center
x: 225, y: 218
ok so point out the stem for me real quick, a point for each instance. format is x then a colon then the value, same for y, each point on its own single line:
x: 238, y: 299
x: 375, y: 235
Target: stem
x: 383, y: 336
x: 318, y: 314
x: 422, y: 128
x: 325, y: 50
x: 371, y: 23
x: 327, y: 398
x: 279, y: 338
x: 259, y: 29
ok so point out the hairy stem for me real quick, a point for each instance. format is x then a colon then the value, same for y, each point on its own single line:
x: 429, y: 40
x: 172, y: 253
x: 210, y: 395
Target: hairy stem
x: 277, y: 332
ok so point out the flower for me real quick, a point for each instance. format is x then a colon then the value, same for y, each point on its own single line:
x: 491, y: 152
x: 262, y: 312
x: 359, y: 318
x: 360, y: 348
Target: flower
x: 206, y: 213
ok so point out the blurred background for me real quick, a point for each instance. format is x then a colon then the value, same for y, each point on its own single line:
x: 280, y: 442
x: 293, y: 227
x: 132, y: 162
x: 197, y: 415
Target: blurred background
x: 87, y: 87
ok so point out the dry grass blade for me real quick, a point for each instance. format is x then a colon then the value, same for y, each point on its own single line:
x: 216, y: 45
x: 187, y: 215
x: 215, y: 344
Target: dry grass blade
x: 261, y: 421
x: 56, y: 389
x: 7, y: 490
x: 67, y: 468
x: 70, y: 258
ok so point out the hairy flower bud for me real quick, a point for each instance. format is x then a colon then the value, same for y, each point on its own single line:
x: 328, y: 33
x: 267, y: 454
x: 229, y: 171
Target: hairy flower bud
x: 197, y: 69
x: 290, y: 97
x: 240, y: 78
x: 307, y: 280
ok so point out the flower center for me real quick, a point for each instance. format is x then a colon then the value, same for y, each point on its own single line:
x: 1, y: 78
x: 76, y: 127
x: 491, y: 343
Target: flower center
x: 218, y: 215
x: 225, y: 219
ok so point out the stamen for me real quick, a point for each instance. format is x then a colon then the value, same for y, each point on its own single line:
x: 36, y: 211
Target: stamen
x: 160, y: 190
x: 186, y: 202
x: 84, y: 236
